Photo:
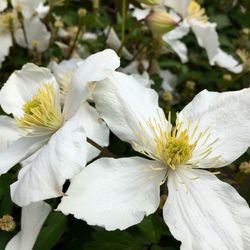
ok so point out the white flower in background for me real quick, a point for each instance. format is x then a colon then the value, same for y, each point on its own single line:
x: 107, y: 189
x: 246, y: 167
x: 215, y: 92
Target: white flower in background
x: 191, y: 15
x: 201, y: 211
x: 114, y: 42
x: 33, y: 217
x: 38, y: 36
x: 54, y: 135
x: 3, y: 5
x: 29, y: 7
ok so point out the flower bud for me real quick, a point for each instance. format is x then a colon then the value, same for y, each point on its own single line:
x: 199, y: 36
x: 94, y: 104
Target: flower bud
x: 7, y: 223
x: 149, y: 2
x: 82, y: 12
x: 160, y: 22
x: 58, y: 24
x: 227, y: 77
x: 245, y: 167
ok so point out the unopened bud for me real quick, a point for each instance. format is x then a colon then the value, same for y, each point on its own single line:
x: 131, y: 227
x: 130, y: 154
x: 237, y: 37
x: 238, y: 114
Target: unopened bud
x: 149, y: 2
x: 167, y: 97
x: 227, y: 77
x: 160, y: 22
x: 190, y: 85
x: 7, y: 223
x: 82, y: 12
x: 58, y: 24
x: 246, y: 31
x: 245, y: 167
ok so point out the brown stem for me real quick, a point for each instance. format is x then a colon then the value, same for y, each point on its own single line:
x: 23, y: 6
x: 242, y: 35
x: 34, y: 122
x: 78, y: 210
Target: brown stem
x: 105, y: 151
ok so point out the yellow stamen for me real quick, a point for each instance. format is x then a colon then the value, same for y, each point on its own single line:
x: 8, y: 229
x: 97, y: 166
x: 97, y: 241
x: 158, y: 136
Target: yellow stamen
x: 41, y: 112
x: 195, y: 11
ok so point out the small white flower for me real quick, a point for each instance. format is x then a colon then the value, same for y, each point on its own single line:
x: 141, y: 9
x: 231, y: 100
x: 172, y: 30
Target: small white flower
x: 52, y: 133
x: 201, y: 211
x: 194, y: 17
x: 33, y: 217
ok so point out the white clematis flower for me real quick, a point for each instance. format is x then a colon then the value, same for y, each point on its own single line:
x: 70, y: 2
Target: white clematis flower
x: 52, y: 133
x: 33, y: 217
x: 3, y: 5
x: 194, y: 17
x: 201, y: 211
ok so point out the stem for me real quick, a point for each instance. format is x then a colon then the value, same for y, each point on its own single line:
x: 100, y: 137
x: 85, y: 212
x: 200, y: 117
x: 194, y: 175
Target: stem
x: 124, y: 7
x: 24, y: 31
x: 105, y: 151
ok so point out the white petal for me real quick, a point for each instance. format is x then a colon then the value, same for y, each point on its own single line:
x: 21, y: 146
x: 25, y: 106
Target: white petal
x: 206, y: 213
x: 42, y: 10
x: 6, y: 43
x: 172, y: 38
x: 22, y: 85
x: 95, y: 68
x: 114, y: 42
x: 59, y: 160
x: 227, y: 117
x: 94, y: 127
x: 19, y: 150
x: 3, y: 5
x: 126, y: 106
x: 37, y: 35
x: 169, y: 80
x: 226, y: 61
x: 114, y: 193
x: 28, y: 7
x: 9, y: 132
x: 140, y: 14
x: 33, y: 217
x: 180, y: 6
x: 207, y: 38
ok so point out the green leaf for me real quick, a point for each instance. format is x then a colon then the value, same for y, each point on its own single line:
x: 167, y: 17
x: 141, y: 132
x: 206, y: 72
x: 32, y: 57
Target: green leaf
x: 51, y: 233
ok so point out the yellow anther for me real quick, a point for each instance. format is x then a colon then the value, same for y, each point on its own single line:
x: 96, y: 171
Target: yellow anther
x: 195, y: 11
x: 42, y: 111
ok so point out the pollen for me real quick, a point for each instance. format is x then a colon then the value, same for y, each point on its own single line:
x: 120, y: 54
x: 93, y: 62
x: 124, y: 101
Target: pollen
x: 197, y: 12
x: 177, y: 150
x: 42, y: 113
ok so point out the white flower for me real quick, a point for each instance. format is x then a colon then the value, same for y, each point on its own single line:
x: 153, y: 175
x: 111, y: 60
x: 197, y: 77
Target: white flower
x: 3, y: 5
x: 194, y: 17
x: 201, y: 211
x: 52, y: 133
x: 33, y: 217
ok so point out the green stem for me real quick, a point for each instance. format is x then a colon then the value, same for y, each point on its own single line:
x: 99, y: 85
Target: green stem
x: 124, y: 8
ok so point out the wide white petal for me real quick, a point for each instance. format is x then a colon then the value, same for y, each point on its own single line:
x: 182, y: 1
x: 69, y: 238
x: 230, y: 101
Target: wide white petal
x: 114, y: 42
x: 3, y: 5
x: 33, y: 217
x: 37, y: 35
x: 28, y: 7
x: 42, y: 10
x: 19, y: 150
x: 205, y: 213
x: 127, y: 106
x: 173, y: 39
x: 59, y: 160
x: 95, y: 68
x: 94, y: 127
x: 227, y: 118
x: 114, y: 193
x: 139, y: 13
x: 6, y: 43
x: 22, y: 85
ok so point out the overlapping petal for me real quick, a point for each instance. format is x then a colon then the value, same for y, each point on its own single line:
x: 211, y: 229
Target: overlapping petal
x: 205, y: 213
x: 95, y: 68
x: 22, y: 85
x: 59, y: 160
x: 33, y: 217
x: 227, y: 118
x: 115, y: 193
x: 6, y: 43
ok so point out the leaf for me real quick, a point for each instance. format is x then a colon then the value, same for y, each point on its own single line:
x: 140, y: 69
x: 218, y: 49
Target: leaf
x: 51, y: 233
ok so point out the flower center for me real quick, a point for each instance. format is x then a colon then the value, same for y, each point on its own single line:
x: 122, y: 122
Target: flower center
x: 177, y: 150
x: 7, y: 21
x: 195, y: 11
x: 41, y: 112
